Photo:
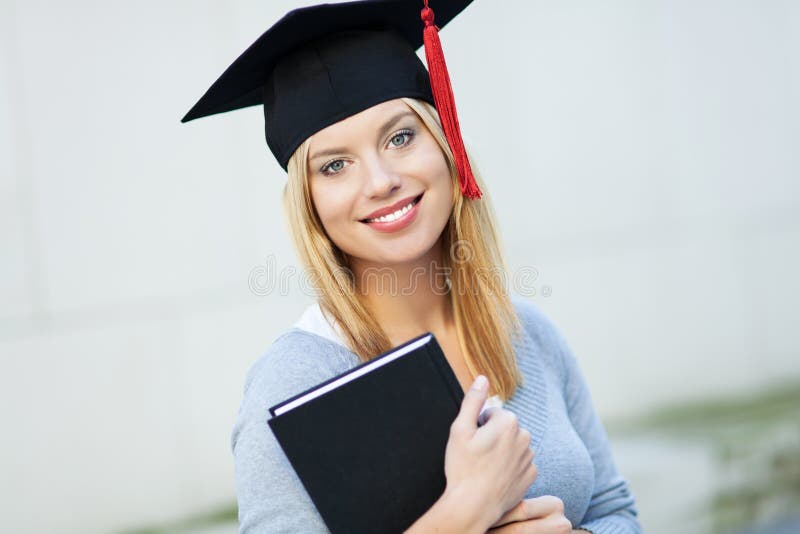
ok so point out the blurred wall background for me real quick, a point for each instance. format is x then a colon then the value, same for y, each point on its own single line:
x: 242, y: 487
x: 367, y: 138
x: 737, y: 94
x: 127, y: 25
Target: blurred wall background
x: 642, y: 157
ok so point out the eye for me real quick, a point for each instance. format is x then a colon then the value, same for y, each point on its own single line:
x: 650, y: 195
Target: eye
x: 332, y: 167
x: 401, y: 138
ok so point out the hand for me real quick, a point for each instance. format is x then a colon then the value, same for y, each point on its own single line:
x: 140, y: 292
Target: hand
x: 539, y: 515
x: 488, y: 467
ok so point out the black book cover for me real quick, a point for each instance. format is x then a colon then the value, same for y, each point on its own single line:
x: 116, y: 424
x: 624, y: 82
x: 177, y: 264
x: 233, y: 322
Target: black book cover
x: 369, y: 444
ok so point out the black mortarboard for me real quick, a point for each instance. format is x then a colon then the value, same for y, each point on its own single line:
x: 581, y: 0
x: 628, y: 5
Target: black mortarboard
x: 320, y: 64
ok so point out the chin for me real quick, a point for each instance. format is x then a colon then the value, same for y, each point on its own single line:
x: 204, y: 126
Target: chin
x: 396, y: 256
x: 410, y: 256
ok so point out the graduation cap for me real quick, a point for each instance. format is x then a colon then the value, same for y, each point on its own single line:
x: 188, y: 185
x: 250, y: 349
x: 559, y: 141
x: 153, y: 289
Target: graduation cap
x: 321, y: 64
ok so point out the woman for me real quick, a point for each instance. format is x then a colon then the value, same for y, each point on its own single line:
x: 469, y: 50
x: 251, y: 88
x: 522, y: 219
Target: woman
x: 380, y: 190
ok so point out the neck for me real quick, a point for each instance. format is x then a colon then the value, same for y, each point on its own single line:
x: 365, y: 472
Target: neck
x: 407, y: 299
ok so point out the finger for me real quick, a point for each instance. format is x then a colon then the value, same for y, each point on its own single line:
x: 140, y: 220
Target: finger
x: 517, y: 513
x: 487, y: 414
x: 502, y: 421
x: 509, y: 528
x: 525, y: 437
x: 530, y: 474
x: 503, y: 425
x: 550, y: 524
x: 557, y: 523
x: 538, y: 507
x: 525, y: 455
x: 533, y: 508
x: 514, y: 527
x: 474, y: 398
x: 525, y: 509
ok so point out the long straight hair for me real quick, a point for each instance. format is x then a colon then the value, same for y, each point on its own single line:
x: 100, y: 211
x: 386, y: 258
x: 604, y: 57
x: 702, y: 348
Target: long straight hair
x: 485, y: 319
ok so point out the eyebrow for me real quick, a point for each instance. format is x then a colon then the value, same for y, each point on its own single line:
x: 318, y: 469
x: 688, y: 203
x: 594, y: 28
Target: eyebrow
x: 384, y: 129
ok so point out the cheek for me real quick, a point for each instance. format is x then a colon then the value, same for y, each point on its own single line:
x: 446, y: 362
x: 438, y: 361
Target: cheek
x: 433, y: 161
x: 439, y: 172
x: 332, y: 207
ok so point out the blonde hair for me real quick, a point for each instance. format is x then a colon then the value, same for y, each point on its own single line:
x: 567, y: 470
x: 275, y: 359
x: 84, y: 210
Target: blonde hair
x: 485, y: 318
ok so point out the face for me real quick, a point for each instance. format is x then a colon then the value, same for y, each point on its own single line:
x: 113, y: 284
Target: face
x: 381, y: 185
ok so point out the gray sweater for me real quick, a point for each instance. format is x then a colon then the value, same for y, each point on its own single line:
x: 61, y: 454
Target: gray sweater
x: 573, y: 455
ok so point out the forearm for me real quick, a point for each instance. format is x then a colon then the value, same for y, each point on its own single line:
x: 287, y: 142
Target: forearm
x: 453, y: 513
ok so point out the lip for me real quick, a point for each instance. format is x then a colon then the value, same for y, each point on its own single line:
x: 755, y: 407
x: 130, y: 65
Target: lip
x: 398, y: 224
x: 390, y: 209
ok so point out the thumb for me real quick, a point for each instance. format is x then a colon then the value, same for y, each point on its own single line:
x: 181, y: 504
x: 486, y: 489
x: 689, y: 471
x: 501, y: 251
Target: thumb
x: 474, y: 398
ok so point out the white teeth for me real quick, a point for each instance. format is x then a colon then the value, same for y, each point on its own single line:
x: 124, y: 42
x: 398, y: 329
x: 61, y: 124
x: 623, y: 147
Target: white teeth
x: 393, y: 216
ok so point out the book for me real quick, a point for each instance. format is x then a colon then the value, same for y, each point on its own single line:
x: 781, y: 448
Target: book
x: 369, y: 444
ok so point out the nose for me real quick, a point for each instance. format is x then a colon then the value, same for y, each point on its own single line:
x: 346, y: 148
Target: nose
x: 380, y: 179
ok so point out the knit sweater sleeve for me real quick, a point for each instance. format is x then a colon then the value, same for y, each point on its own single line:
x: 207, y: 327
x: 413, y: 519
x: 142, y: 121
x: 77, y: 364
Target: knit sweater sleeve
x: 270, y: 496
x: 612, y: 509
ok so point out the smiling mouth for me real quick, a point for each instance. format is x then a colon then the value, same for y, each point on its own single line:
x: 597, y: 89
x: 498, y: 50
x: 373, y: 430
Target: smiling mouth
x: 397, y: 214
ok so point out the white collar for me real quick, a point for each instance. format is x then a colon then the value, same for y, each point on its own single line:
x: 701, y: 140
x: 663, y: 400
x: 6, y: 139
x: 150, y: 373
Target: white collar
x: 315, y: 321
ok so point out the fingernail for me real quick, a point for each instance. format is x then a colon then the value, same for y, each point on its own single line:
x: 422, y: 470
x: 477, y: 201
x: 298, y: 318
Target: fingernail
x: 480, y: 383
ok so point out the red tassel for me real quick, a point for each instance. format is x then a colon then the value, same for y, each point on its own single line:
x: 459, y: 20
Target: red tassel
x: 445, y: 104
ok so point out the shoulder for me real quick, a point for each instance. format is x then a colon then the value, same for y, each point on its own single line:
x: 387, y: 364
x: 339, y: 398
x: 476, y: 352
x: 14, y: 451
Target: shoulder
x: 549, y: 343
x: 536, y: 323
x: 296, y: 360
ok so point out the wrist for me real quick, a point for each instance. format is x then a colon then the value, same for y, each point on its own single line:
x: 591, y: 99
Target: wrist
x: 468, y: 513
x: 450, y: 514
